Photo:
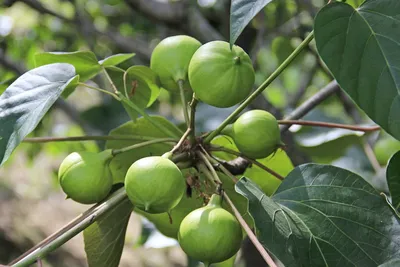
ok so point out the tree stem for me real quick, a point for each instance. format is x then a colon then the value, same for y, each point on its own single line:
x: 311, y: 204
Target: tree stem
x: 69, y: 231
x: 261, y: 88
x: 184, y: 102
x: 330, y: 125
x: 192, y: 126
x: 147, y: 143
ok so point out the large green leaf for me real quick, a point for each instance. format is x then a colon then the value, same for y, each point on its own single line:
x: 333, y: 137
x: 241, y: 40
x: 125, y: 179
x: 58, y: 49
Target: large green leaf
x: 26, y: 101
x: 393, y: 179
x: 104, y: 239
x: 324, y: 216
x: 361, y: 47
x: 141, y: 85
x: 242, y: 12
x: 85, y: 62
x: 142, y: 127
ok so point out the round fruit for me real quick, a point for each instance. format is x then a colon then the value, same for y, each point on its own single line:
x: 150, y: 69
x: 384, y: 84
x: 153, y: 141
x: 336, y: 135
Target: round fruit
x: 256, y: 134
x: 154, y: 184
x: 385, y: 148
x: 85, y: 176
x: 210, y: 234
x: 170, y: 60
x: 219, y: 76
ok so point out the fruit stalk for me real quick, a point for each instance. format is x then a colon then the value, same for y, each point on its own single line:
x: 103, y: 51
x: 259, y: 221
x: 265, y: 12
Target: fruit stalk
x: 261, y: 88
x: 250, y: 233
x: 69, y: 231
x: 192, y: 126
x: 184, y: 102
x: 330, y: 125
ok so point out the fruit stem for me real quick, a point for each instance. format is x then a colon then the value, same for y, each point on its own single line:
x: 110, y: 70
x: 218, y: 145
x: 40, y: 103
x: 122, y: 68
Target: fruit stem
x: 181, y: 141
x: 192, y: 126
x: 100, y: 90
x: 255, y: 162
x: 110, y: 81
x: 216, y: 200
x: 250, y: 233
x: 330, y: 125
x: 146, y: 143
x: 184, y: 102
x: 236, y: 60
x: 48, y: 139
x: 70, y: 230
x: 155, y: 123
x: 261, y: 88
x: 203, y: 157
x: 223, y: 169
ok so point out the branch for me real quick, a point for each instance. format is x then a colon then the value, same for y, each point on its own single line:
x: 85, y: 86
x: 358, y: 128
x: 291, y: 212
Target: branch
x: 88, y: 138
x: 330, y: 125
x: 42, y: 9
x: 311, y: 103
x: 70, y: 230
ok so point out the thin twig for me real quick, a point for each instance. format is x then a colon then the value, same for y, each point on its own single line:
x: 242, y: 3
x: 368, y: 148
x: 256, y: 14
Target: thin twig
x: 330, y: 125
x: 143, y: 144
x: 311, y: 103
x: 180, y: 143
x: 222, y: 168
x: 110, y: 81
x: 101, y: 90
x: 88, y: 138
x: 192, y: 125
x: 255, y: 162
x: 204, y: 158
x: 250, y: 233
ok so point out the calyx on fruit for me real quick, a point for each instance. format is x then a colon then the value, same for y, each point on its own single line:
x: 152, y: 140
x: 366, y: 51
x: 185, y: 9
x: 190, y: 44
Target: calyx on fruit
x: 170, y: 60
x: 210, y: 234
x: 219, y: 76
x: 85, y: 176
x: 255, y: 133
x: 154, y: 184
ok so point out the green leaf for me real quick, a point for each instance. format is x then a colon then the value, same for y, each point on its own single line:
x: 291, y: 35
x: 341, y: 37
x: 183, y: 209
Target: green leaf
x: 104, y: 239
x: 115, y: 59
x: 361, y: 49
x: 324, y: 216
x: 242, y: 12
x: 393, y: 179
x: 141, y: 85
x: 85, y: 62
x: 142, y: 127
x: 391, y: 263
x: 26, y: 101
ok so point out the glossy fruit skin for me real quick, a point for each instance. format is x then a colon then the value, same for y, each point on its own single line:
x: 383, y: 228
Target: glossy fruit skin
x: 385, y: 148
x: 154, y: 184
x: 210, y: 234
x: 85, y: 176
x: 170, y: 60
x: 219, y: 76
x: 256, y: 134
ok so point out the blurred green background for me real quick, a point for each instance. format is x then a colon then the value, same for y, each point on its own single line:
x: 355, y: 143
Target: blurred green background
x: 32, y: 205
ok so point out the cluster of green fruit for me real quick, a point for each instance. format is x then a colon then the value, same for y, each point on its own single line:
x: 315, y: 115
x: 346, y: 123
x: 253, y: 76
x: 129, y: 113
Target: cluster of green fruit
x: 219, y: 76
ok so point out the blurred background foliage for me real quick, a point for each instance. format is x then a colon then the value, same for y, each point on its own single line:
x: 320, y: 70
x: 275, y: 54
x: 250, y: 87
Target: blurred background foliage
x: 31, y: 203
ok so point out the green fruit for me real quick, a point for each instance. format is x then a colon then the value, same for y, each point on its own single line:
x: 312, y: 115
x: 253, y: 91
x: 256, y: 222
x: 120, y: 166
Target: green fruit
x: 210, y: 234
x: 170, y: 60
x: 85, y: 176
x: 256, y: 134
x: 385, y: 148
x: 154, y: 184
x: 219, y: 76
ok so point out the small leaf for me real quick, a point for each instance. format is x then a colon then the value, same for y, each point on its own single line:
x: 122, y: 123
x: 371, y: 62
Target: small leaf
x: 393, y: 179
x: 105, y: 239
x: 361, y: 49
x: 324, y: 216
x: 115, y: 59
x: 27, y: 100
x: 85, y: 62
x: 142, y: 127
x: 140, y: 83
x: 242, y: 12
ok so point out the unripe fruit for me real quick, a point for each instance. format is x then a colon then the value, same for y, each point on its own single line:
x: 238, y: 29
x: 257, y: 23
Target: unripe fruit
x: 85, y: 176
x: 154, y: 184
x: 210, y: 234
x: 170, y: 60
x: 219, y: 76
x: 385, y: 148
x: 256, y: 134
